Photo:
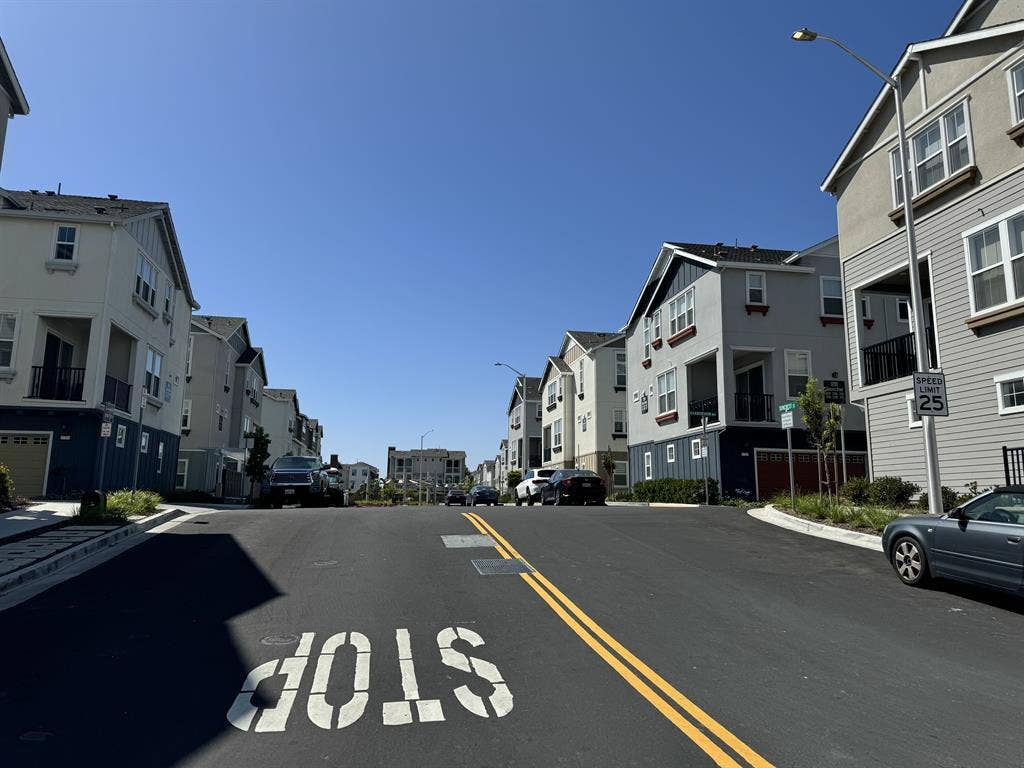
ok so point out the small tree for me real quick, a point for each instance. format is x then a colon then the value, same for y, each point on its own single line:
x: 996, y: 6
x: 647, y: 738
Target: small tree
x: 608, y: 464
x: 823, y: 421
x: 256, y: 463
x: 513, y: 478
x: 468, y: 481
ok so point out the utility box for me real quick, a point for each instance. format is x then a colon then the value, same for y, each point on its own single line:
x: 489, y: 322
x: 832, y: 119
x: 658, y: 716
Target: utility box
x: 94, y: 504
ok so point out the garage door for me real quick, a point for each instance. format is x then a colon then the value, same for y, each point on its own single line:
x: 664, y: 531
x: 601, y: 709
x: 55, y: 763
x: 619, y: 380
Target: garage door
x: 773, y: 471
x: 25, y: 456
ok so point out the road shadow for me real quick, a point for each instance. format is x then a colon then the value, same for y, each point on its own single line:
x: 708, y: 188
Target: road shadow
x: 991, y: 597
x: 130, y: 662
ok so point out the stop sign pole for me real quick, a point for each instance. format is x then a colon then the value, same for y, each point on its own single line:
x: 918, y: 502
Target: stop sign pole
x: 786, y: 411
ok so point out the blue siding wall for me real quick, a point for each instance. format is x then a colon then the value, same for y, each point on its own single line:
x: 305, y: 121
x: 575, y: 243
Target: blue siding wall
x: 683, y: 467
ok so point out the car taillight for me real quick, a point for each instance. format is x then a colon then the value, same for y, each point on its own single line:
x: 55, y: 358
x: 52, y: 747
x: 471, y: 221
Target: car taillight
x: 567, y: 482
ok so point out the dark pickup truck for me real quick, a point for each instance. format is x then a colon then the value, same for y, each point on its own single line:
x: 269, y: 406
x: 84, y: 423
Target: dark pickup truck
x: 298, y: 480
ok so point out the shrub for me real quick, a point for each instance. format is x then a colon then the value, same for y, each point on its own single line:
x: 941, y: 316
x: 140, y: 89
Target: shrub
x: 730, y: 501
x: 950, y: 499
x: 891, y: 492
x: 124, y: 504
x: 670, y: 490
x: 504, y: 498
x: 856, y: 490
x: 6, y: 488
x: 621, y: 496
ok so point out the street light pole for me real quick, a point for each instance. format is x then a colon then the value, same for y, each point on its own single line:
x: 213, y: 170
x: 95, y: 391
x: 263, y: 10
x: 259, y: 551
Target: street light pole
x: 419, y: 490
x: 931, y: 453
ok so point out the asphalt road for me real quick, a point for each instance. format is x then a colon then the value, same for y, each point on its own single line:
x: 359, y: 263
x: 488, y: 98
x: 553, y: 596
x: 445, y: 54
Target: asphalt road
x: 646, y: 637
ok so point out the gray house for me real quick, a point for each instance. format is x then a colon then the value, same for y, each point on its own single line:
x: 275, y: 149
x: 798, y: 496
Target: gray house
x: 964, y: 105
x: 727, y: 334
x: 524, y: 425
x: 224, y: 376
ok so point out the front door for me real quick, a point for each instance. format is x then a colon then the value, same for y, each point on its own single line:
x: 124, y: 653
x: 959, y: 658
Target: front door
x: 57, y: 356
x: 985, y: 543
x: 750, y: 384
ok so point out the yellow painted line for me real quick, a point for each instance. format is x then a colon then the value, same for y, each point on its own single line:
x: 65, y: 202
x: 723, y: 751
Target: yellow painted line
x: 728, y: 738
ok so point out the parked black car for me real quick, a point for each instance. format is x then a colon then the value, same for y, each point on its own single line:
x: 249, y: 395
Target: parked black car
x: 981, y: 541
x: 482, y: 494
x: 455, y: 496
x: 573, y: 486
x: 298, y: 480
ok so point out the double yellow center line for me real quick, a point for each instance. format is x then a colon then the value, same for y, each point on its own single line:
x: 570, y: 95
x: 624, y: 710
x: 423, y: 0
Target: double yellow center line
x: 702, y: 729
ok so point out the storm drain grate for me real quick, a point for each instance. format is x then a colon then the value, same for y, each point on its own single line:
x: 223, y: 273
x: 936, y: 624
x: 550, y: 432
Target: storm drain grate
x: 463, y: 540
x: 501, y: 567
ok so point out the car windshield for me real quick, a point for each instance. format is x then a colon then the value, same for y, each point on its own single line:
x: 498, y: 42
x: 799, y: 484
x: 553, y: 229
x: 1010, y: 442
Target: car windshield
x: 297, y: 462
x: 578, y: 473
x: 545, y: 472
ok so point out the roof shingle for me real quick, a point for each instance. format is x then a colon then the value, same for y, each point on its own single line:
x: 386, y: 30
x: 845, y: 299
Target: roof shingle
x: 731, y: 253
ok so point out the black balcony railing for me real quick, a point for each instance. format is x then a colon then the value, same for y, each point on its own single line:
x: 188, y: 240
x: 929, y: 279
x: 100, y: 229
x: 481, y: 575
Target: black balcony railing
x: 755, y: 407
x: 698, y: 408
x: 57, y: 382
x: 547, y: 455
x: 118, y: 393
x: 894, y: 358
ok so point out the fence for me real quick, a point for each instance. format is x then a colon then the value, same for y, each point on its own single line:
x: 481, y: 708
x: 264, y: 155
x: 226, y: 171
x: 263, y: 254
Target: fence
x: 1013, y: 465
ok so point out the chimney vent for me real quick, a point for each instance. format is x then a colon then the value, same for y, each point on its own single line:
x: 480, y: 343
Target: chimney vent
x: 50, y: 193
x: 34, y: 191
x: 112, y: 197
x: 753, y: 246
x: 100, y: 209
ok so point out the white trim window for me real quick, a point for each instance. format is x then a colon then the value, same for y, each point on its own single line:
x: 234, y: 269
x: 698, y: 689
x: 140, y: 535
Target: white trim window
x: 514, y: 453
x: 8, y: 335
x: 938, y: 150
x: 657, y: 324
x: 1010, y: 392
x: 144, y: 444
x: 695, y: 449
x: 647, y: 338
x: 188, y: 355
x: 246, y: 425
x: 540, y: 411
x: 620, y: 369
x: 670, y: 453
x: 756, y: 293
x: 648, y: 468
x: 913, y: 419
x: 65, y: 243
x: 995, y: 262
x: 154, y: 362
x: 580, y: 377
x: 552, y: 392
x: 556, y: 434
x: 831, y: 296
x: 517, y: 417
x: 145, y: 280
x: 620, y: 479
x: 681, y: 312
x: 169, y: 299
x: 1015, y: 78
x: 181, y: 475
x: 583, y: 422
x: 186, y: 413
x: 798, y: 371
x: 160, y: 457
x: 903, y: 310
x: 865, y: 307
x: 619, y: 421
x: 667, y: 391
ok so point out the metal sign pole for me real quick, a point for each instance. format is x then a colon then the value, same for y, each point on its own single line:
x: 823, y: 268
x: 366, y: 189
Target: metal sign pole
x: 138, y: 448
x: 792, y: 482
x: 842, y: 440
x: 704, y: 451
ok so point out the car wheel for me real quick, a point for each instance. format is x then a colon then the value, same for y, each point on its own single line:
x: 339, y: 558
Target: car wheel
x: 519, y: 502
x: 909, y: 560
x: 529, y: 499
x: 558, y: 499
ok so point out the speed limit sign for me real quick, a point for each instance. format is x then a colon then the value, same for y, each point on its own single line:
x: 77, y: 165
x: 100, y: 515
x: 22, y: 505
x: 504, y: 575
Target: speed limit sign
x: 930, y: 394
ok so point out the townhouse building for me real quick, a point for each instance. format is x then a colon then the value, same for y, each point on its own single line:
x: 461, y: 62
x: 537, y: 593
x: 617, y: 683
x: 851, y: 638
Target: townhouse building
x: 355, y: 475
x: 964, y: 107
x: 524, y: 425
x: 584, y: 399
x: 501, y: 466
x: 308, y: 437
x: 726, y: 334
x: 485, y: 473
x: 95, y: 306
x: 434, y: 466
x: 280, y: 414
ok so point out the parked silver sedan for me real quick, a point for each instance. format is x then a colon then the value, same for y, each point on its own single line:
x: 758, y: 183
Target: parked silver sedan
x: 979, y: 542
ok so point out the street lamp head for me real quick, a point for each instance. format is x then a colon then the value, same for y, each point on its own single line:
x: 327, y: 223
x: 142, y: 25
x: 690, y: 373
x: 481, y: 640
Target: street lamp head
x: 804, y: 35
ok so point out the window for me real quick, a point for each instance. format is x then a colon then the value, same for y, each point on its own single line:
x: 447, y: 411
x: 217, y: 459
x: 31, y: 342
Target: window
x: 581, y: 376
x: 188, y: 356
x: 619, y: 421
x: 621, y: 477
x: 865, y: 307
x: 144, y: 445
x: 169, y: 299
x: 583, y: 422
x: 1010, y: 392
x: 145, y: 281
x: 755, y: 288
x: 647, y: 338
x: 903, y: 310
x: 798, y: 371
x: 291, y: 425
x: 670, y: 453
x: 552, y: 392
x: 8, y: 325
x: 913, y: 420
x: 995, y: 263
x: 159, y: 457
x: 831, y: 296
x: 246, y: 426
x: 1017, y: 92
x: 181, y: 474
x: 667, y: 391
x: 220, y: 422
x: 636, y: 395
x: 620, y: 369
x: 680, y: 312
x: 186, y: 413
x: 938, y: 150
x: 540, y: 410
x: 64, y: 249
x: 695, y: 448
x: 122, y: 435
x: 517, y: 417
x: 657, y: 324
x: 515, y: 453
x: 648, y: 474
x: 154, y: 362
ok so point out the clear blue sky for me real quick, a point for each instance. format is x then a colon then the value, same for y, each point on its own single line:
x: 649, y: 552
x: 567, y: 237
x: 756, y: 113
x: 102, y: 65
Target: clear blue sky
x: 397, y: 194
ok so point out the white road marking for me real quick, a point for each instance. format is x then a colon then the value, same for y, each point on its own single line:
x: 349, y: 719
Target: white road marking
x: 320, y: 712
x: 242, y: 710
x: 274, y: 719
x: 500, y: 699
x: 400, y: 712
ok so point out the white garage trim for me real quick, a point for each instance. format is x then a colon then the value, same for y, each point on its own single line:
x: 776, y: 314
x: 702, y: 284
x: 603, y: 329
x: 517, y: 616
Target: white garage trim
x: 49, y: 449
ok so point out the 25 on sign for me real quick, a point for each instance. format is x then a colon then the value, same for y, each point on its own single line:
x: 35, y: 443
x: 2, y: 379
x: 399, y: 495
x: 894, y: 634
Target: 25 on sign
x: 324, y: 711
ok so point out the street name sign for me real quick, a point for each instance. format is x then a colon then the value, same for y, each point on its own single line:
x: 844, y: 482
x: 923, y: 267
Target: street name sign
x: 787, y: 420
x: 930, y: 394
x: 709, y: 414
x: 784, y: 407
x: 834, y: 391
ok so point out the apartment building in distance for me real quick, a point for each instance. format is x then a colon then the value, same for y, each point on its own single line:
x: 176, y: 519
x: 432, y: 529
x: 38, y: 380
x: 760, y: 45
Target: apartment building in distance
x: 434, y: 466
x: 524, y: 425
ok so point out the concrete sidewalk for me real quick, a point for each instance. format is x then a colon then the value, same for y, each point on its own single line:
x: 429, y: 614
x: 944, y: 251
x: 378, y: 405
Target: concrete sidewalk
x: 41, y: 515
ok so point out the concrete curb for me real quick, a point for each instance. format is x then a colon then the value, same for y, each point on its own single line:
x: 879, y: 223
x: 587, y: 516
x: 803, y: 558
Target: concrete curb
x: 626, y: 503
x: 811, y: 528
x: 83, y: 550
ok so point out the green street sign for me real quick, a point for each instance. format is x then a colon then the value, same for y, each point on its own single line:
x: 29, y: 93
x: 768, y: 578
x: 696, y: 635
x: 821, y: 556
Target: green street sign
x: 709, y: 414
x: 785, y: 407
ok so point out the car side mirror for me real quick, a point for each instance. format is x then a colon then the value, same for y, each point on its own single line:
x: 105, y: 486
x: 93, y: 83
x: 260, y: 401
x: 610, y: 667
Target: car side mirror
x: 956, y: 513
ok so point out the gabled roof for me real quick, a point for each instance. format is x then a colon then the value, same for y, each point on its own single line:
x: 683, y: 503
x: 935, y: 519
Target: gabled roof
x: 9, y: 82
x: 254, y: 355
x: 949, y: 38
x: 590, y: 340
x: 556, y: 363
x: 219, y: 325
x: 530, y: 392
x: 280, y: 394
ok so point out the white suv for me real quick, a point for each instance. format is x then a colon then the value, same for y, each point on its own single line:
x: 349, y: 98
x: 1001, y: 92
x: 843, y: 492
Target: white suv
x: 529, y: 489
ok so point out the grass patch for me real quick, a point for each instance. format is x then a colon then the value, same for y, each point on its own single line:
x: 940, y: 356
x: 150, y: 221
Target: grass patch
x: 869, y: 517
x: 121, y: 506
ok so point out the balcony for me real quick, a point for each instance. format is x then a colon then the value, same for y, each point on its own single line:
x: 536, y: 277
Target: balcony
x: 117, y: 393
x: 547, y: 455
x: 56, y: 382
x: 894, y: 358
x: 698, y: 408
x: 754, y: 407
